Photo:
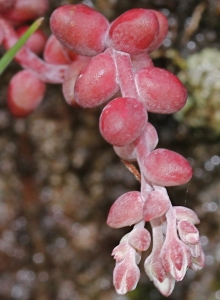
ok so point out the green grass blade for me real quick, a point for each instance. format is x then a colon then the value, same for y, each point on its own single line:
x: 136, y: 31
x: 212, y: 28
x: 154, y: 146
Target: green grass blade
x: 10, y: 54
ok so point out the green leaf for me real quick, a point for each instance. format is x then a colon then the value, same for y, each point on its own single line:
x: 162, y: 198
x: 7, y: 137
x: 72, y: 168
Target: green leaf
x: 10, y: 54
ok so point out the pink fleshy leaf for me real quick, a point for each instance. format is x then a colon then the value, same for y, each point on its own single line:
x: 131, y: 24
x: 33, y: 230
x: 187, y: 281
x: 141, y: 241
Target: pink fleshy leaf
x: 156, y: 205
x: 126, y: 210
x: 166, y: 168
x: 140, y: 239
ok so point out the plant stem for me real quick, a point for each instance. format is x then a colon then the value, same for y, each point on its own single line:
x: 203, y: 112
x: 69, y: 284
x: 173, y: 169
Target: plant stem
x: 10, y: 54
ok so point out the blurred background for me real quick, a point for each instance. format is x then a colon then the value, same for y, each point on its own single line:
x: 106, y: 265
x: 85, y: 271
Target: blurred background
x: 58, y: 177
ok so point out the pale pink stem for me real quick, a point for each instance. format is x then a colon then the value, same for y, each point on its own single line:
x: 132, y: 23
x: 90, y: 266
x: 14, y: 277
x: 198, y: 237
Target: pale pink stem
x: 142, y: 150
x: 141, y: 61
x: 140, y: 224
x: 125, y: 74
x: 171, y: 223
x: 28, y: 60
x: 157, y: 232
x: 128, y: 88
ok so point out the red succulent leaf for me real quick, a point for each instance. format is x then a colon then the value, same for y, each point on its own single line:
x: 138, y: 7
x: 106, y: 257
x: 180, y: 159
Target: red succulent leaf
x: 126, y: 210
x: 80, y: 28
x: 97, y: 82
x: 166, y: 168
x: 122, y: 121
x: 25, y: 93
x: 54, y: 52
x: 160, y: 90
x: 71, y: 75
x: 156, y: 205
x: 134, y: 31
x: 163, y: 29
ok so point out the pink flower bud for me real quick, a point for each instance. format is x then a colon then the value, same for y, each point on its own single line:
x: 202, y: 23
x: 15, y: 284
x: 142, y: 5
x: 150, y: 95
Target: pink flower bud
x: 140, y: 239
x: 153, y: 266
x: 163, y: 281
x: 126, y: 274
x: 120, y: 251
x: 175, y: 258
x: 198, y: 262
x: 188, y: 232
x: 186, y: 213
x: 166, y: 286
